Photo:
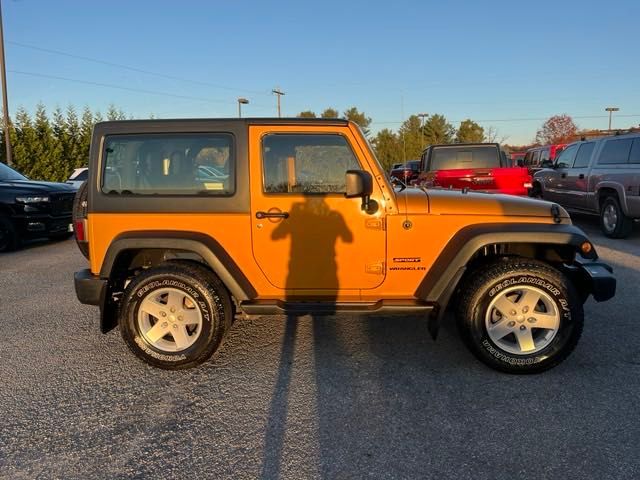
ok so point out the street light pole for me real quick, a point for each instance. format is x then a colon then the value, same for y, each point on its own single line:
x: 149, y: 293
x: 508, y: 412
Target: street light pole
x: 422, y: 117
x: 279, y: 93
x: 611, y: 110
x: 241, y: 101
x: 5, y: 101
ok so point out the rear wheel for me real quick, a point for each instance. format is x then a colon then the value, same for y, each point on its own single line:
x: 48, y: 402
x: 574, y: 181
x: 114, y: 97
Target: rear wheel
x: 613, y: 221
x: 8, y: 235
x: 175, y: 316
x: 520, y: 316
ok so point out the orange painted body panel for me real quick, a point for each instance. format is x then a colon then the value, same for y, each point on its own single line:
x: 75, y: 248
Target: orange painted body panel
x: 329, y: 247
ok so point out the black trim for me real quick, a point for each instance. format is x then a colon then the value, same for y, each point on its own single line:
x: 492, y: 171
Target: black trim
x: 205, y: 246
x: 464, y: 244
x: 596, y: 278
x: 90, y: 289
x: 327, y: 307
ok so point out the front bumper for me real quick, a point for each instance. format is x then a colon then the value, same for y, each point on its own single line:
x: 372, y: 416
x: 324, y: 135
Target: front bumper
x: 594, y: 277
x: 90, y: 289
x: 42, y: 225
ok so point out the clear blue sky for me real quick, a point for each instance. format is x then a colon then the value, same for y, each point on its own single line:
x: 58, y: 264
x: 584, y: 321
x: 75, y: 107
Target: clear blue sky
x: 488, y: 61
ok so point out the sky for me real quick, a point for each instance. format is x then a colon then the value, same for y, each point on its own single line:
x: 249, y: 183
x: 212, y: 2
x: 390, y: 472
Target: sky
x: 508, y: 65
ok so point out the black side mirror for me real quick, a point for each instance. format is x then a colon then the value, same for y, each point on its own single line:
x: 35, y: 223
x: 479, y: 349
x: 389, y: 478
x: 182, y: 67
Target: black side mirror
x: 359, y: 183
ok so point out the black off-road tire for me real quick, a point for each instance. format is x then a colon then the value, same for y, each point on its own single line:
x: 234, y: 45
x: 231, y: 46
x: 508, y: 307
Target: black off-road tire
x: 624, y: 224
x: 483, y: 285
x: 8, y: 236
x: 212, y: 300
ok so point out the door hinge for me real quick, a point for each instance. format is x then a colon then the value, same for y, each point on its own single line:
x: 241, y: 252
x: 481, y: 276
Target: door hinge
x: 376, y: 268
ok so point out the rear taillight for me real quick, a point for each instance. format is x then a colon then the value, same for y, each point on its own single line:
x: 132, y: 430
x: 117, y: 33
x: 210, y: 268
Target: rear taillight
x: 80, y: 213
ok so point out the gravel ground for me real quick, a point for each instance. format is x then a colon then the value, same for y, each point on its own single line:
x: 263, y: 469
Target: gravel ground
x: 335, y: 397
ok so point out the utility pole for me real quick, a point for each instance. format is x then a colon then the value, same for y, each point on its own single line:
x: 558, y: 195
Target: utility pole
x: 422, y: 117
x: 5, y: 101
x: 279, y: 93
x: 241, y: 101
x: 611, y: 110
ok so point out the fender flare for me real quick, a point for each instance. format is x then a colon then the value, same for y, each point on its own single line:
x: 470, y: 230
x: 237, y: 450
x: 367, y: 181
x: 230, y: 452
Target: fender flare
x: 205, y: 246
x: 622, y: 198
x: 443, y: 277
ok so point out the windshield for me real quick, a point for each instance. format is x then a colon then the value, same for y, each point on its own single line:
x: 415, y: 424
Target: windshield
x: 458, y: 157
x: 9, y: 174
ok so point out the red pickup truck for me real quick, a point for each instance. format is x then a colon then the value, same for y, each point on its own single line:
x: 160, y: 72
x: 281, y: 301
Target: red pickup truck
x: 476, y: 166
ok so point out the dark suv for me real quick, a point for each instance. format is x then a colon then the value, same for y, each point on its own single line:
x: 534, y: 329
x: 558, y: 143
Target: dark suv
x: 31, y: 209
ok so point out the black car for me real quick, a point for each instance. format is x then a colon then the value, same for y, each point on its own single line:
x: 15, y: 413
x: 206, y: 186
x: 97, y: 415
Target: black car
x: 32, y: 209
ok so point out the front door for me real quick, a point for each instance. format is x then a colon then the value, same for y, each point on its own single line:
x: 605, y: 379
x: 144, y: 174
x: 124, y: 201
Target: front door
x: 556, y: 185
x: 306, y: 235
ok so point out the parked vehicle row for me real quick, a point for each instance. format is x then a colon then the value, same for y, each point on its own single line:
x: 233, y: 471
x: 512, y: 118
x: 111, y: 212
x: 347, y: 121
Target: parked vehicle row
x: 600, y: 176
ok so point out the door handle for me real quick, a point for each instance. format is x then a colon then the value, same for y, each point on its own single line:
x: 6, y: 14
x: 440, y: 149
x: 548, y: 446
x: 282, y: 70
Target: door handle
x: 581, y: 176
x: 563, y: 175
x: 261, y: 215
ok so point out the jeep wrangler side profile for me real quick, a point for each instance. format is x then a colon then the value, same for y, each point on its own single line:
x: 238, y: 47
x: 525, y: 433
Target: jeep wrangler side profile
x: 189, y: 223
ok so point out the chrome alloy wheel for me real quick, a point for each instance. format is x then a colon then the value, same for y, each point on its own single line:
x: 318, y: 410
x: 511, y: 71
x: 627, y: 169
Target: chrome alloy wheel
x: 169, y: 319
x: 522, y: 320
x: 610, y: 217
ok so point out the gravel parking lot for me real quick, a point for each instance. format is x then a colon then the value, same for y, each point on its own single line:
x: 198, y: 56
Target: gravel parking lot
x: 334, y: 397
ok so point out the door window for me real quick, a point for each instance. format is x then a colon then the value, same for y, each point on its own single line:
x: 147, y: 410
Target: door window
x: 306, y: 163
x: 536, y: 159
x: 565, y: 160
x: 584, y: 155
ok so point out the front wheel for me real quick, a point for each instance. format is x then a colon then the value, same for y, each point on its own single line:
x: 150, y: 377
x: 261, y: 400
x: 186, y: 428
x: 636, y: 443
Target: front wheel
x: 520, y: 316
x: 175, y: 315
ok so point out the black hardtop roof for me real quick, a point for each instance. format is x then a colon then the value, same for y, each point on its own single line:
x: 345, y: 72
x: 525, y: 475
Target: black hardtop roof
x: 247, y: 121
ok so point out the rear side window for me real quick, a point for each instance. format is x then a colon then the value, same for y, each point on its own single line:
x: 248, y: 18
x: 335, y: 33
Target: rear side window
x: 545, y: 154
x: 634, y: 156
x: 615, y: 152
x: 168, y: 164
x: 536, y: 158
x: 306, y: 163
x: 452, y: 158
x: 584, y: 155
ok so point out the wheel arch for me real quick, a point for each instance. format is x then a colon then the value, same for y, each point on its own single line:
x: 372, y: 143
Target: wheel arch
x: 607, y: 189
x: 128, y: 246
x: 474, y: 244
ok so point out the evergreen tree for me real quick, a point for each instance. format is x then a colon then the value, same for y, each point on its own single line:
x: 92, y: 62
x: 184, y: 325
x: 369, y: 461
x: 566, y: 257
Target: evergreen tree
x: 307, y: 114
x: 388, y: 148
x: 75, y: 155
x: 86, y: 130
x: 470, y: 132
x: 411, y: 138
x: 358, y: 117
x: 438, y: 130
x: 23, y: 142
x: 330, y: 113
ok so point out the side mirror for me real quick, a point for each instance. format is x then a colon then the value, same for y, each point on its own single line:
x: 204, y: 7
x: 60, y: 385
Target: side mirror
x: 359, y: 183
x: 547, y: 164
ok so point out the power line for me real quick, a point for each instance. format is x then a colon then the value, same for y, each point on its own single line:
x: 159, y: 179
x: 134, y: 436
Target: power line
x: 135, y: 69
x: 128, y: 89
x: 528, y: 119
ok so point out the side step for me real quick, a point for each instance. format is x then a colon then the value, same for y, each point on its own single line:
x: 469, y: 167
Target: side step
x: 278, y: 307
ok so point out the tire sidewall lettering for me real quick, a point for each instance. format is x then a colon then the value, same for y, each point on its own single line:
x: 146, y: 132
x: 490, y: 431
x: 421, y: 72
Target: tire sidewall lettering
x: 550, y: 288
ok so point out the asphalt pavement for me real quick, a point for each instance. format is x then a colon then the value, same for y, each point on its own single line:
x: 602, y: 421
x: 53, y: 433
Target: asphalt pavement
x: 334, y: 397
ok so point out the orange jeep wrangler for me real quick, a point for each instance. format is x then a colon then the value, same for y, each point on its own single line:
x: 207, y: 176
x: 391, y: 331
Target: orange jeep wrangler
x: 189, y: 223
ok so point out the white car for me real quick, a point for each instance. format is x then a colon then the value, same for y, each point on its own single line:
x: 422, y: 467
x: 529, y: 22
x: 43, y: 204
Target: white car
x: 78, y: 177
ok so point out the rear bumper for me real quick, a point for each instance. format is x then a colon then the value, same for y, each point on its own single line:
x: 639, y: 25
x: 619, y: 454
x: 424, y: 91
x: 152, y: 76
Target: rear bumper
x: 90, y: 289
x: 596, y: 278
